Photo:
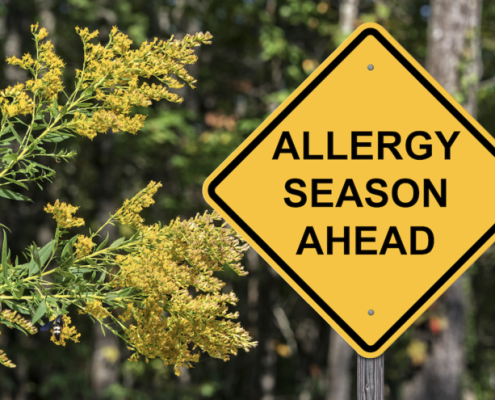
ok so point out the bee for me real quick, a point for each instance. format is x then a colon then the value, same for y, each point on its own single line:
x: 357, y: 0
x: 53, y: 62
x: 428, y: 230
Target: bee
x: 57, y: 324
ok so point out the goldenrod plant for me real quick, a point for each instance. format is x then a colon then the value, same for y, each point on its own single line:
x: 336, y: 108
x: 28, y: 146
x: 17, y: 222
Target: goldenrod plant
x: 156, y: 290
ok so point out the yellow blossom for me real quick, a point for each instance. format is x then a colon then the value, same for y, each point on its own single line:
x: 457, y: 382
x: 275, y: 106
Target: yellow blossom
x: 96, y: 309
x: 167, y: 263
x: 4, y: 360
x: 12, y: 317
x: 63, y: 214
x: 68, y: 333
x: 84, y: 246
x: 128, y: 214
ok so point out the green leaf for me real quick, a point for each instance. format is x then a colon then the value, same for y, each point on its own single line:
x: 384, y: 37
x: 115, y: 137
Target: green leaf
x: 55, y: 107
x: 102, y: 277
x: 6, y: 227
x: 127, y: 292
x: 5, y: 265
x: 36, y: 257
x: 87, y: 92
x: 12, y: 157
x: 111, y: 296
x: 14, y: 182
x: 39, y: 312
x: 56, y: 138
x: 9, y: 194
x: 18, y: 120
x: 92, y: 262
x: 82, y: 271
x: 66, y: 274
x: 102, y: 244
x: 68, y: 251
x: 43, y: 256
x: 12, y: 129
x: 17, y: 307
x: 18, y: 293
x: 117, y: 243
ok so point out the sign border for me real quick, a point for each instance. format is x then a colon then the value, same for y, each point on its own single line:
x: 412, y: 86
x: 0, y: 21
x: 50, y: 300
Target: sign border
x: 212, y: 184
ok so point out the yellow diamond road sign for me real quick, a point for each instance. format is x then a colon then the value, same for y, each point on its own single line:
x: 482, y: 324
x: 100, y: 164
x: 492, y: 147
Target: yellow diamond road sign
x: 369, y: 190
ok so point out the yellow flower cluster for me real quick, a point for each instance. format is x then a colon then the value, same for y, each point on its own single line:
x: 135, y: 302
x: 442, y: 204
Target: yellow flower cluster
x: 47, y: 68
x: 169, y: 261
x: 96, y: 309
x: 112, y: 76
x: 63, y: 214
x: 68, y: 333
x: 103, y: 120
x: 9, y: 317
x: 128, y: 214
x: 21, y: 103
x: 83, y: 246
x: 4, y: 360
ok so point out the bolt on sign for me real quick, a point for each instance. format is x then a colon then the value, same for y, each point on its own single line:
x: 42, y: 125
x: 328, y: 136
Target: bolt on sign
x: 369, y: 190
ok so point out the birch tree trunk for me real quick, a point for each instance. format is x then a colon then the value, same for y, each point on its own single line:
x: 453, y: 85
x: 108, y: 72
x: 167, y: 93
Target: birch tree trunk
x: 106, y: 354
x: 454, y: 61
x: 348, y: 13
x: 340, y: 353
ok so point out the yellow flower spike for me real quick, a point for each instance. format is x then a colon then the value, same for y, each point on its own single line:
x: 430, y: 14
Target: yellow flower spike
x: 128, y: 214
x: 15, y: 318
x: 4, y: 360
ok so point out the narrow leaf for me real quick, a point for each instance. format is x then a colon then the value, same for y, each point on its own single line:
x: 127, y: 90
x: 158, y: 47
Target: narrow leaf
x: 68, y: 251
x: 36, y: 257
x: 102, y: 244
x: 117, y: 243
x: 102, y: 277
x: 43, y: 256
x: 9, y: 194
x: 12, y: 129
x: 5, y: 265
x: 55, y: 107
x: 18, y: 293
x: 39, y: 312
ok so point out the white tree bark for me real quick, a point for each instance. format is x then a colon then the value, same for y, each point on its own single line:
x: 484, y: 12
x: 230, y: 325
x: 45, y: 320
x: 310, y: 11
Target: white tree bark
x: 348, y: 13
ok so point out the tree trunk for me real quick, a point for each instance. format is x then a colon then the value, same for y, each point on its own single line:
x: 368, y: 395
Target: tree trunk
x: 454, y: 55
x: 348, y: 13
x: 106, y: 352
x: 47, y: 17
x: 339, y: 368
x: 454, y: 61
x: 13, y: 44
x: 340, y: 353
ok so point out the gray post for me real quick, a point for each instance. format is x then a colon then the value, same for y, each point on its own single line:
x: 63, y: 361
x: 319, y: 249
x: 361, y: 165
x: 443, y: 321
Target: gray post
x: 370, y: 378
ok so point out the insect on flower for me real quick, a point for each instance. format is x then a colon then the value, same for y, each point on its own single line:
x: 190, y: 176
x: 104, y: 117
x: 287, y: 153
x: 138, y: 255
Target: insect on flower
x: 57, y: 324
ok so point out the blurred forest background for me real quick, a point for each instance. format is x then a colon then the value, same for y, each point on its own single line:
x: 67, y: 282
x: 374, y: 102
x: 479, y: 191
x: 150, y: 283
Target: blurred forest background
x: 262, y: 50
